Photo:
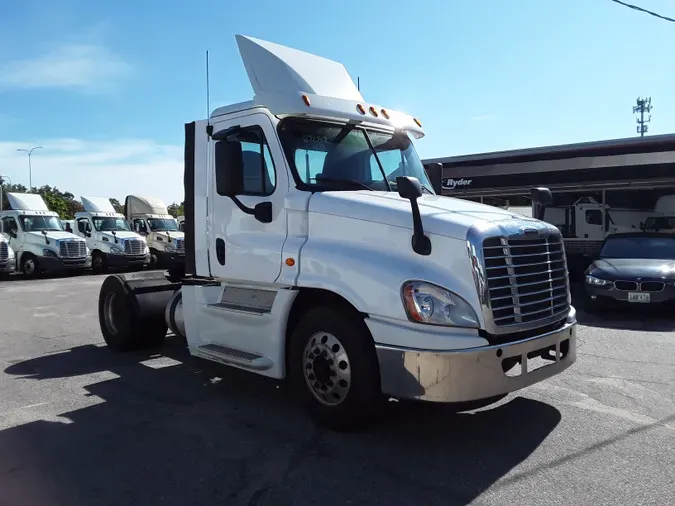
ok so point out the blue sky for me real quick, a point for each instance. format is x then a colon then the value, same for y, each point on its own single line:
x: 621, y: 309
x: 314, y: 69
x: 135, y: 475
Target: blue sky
x: 105, y: 87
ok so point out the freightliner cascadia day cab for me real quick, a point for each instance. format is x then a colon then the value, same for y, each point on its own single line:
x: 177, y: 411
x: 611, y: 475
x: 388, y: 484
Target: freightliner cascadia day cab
x: 318, y: 251
x: 38, y: 239
x: 149, y: 217
x: 108, y: 236
x: 7, y: 258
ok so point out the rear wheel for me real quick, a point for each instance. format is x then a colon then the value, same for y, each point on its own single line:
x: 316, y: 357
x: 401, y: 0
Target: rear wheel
x: 121, y: 326
x: 334, y: 368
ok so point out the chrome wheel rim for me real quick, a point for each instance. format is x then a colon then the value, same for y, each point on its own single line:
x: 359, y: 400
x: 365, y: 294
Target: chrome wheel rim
x: 326, y: 368
x: 108, y: 312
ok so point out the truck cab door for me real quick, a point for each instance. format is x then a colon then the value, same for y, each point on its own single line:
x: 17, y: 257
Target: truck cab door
x: 589, y: 222
x: 244, y: 246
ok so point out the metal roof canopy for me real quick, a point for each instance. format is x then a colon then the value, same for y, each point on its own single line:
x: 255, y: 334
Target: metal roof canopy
x: 634, y: 152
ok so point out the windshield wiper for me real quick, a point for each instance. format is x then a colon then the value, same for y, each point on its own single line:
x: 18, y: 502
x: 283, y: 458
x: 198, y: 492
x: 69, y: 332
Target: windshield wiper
x: 352, y: 182
x: 377, y: 158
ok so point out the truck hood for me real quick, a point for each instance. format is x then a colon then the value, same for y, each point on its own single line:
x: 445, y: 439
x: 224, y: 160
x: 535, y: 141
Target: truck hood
x: 174, y: 235
x: 120, y: 235
x: 444, y: 216
x: 52, y: 235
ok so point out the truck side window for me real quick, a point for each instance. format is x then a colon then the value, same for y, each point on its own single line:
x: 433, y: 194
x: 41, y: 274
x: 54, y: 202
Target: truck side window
x: 259, y: 172
x: 8, y: 224
x: 139, y: 226
x: 82, y: 225
x: 594, y: 217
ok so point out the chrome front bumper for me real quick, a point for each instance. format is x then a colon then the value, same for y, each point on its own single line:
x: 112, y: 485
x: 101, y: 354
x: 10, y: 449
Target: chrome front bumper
x: 474, y: 373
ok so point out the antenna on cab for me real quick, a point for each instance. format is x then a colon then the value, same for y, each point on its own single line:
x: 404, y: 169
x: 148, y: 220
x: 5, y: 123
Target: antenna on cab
x: 209, y: 127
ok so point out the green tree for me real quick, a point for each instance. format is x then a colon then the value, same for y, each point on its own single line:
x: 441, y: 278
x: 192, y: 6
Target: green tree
x: 119, y: 208
x: 176, y: 209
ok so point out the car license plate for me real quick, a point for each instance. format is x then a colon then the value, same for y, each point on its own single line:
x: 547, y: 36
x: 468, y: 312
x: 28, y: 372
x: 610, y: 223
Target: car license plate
x: 639, y: 297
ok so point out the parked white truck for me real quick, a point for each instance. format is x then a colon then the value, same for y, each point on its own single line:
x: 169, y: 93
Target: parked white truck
x: 7, y: 258
x: 108, y: 236
x: 37, y: 237
x: 317, y: 250
x: 149, y: 217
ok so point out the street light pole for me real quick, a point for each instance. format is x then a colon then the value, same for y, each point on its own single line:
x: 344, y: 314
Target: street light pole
x: 30, y: 169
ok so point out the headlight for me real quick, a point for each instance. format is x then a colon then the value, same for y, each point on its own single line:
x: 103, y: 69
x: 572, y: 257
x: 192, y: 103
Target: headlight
x: 146, y: 251
x: 169, y: 247
x: 592, y: 280
x: 116, y: 251
x: 427, y: 303
x: 49, y: 253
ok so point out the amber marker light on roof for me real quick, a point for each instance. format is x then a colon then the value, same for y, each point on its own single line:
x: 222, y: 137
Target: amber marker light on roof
x: 305, y: 99
x: 360, y: 108
x: 385, y: 114
x: 290, y: 262
x: 373, y: 111
x: 419, y: 123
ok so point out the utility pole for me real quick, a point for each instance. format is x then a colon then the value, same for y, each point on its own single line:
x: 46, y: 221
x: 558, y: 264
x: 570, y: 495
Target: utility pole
x: 30, y: 169
x: 644, y: 105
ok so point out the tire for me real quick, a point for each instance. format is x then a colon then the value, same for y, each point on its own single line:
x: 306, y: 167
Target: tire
x: 30, y: 267
x: 346, y: 352
x: 154, y: 259
x: 98, y: 263
x: 121, y: 327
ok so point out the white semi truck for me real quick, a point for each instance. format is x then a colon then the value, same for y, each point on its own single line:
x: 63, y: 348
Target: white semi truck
x: 7, y: 258
x: 317, y: 250
x: 108, y: 236
x: 37, y: 237
x: 149, y: 217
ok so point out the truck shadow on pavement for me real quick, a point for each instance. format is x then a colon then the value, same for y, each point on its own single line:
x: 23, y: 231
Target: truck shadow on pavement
x: 146, y: 429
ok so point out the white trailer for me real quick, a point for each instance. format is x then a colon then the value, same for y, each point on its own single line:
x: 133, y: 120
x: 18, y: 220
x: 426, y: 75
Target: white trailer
x: 38, y: 239
x: 108, y: 236
x: 149, y: 217
x: 316, y: 250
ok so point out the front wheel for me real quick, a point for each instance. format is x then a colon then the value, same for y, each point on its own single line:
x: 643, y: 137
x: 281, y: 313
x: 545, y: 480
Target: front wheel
x: 98, y: 263
x: 334, y: 369
x: 29, y: 266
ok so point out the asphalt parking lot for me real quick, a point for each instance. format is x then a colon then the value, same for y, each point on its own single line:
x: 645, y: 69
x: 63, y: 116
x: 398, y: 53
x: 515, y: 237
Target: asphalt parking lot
x: 82, y: 426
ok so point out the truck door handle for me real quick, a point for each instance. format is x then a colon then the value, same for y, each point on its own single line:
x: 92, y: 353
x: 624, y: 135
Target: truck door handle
x: 220, y: 251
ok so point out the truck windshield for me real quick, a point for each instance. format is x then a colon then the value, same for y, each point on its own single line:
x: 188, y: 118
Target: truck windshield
x: 330, y: 156
x: 162, y: 225
x: 110, y: 224
x: 36, y: 223
x: 639, y: 247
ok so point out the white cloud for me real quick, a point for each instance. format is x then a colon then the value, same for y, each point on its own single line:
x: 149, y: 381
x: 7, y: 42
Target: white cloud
x: 113, y: 168
x: 82, y: 67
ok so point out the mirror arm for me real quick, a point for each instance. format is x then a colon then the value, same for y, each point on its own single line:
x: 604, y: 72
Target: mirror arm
x: 241, y: 206
x: 421, y: 244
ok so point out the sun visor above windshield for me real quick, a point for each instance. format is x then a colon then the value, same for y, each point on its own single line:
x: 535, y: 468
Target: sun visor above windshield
x: 273, y: 69
x: 27, y: 202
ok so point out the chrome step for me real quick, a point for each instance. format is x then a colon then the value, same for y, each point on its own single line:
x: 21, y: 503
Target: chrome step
x: 230, y: 356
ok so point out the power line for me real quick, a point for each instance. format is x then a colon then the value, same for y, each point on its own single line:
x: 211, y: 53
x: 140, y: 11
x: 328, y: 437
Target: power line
x: 640, y: 9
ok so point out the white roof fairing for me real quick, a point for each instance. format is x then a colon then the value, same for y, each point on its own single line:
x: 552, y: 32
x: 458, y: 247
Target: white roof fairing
x: 280, y: 76
x: 26, y: 202
x: 97, y: 205
x: 273, y: 68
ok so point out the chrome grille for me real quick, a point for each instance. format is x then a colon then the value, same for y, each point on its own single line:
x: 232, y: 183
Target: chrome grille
x: 180, y: 244
x: 526, y: 279
x: 4, y: 252
x: 134, y: 247
x: 72, y: 248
